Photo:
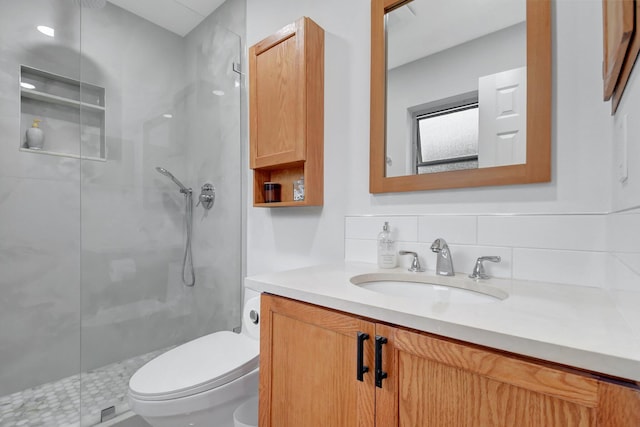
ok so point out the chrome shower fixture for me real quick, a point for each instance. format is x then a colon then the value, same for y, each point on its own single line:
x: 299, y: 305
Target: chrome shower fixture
x: 187, y: 279
x: 168, y: 174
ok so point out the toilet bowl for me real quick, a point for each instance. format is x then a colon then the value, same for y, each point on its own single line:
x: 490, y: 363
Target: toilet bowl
x: 201, y: 382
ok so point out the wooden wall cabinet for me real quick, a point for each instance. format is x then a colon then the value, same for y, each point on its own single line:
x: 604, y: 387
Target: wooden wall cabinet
x: 286, y: 110
x: 621, y: 43
x: 309, y: 366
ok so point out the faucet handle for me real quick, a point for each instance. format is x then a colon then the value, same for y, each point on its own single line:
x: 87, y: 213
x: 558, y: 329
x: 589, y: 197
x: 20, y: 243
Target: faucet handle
x: 478, y: 270
x: 415, y: 263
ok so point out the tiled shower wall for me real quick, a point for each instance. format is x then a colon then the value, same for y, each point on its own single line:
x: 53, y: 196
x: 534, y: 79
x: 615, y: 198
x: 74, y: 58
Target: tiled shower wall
x: 568, y: 249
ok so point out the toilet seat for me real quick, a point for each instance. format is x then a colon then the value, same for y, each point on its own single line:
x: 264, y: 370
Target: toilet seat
x: 197, y: 366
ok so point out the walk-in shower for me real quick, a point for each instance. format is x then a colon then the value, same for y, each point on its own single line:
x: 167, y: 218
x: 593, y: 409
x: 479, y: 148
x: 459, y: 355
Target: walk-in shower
x: 187, y: 259
x: 92, y: 238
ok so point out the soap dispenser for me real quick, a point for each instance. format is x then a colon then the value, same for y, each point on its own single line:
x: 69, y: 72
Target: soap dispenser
x: 387, y: 255
x: 35, y: 136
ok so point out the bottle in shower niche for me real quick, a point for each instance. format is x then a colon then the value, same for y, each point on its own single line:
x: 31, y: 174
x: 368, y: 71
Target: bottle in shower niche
x: 387, y: 255
x: 35, y: 136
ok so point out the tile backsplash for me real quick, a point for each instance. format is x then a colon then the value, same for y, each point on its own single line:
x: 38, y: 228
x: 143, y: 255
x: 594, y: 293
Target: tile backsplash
x: 623, y: 263
x: 568, y: 249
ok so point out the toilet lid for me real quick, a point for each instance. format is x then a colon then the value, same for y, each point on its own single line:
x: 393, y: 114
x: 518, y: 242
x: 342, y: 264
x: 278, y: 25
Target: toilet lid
x: 196, y: 366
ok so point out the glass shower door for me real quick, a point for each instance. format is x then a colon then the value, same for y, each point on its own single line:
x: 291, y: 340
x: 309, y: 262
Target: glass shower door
x: 39, y: 212
x: 153, y: 98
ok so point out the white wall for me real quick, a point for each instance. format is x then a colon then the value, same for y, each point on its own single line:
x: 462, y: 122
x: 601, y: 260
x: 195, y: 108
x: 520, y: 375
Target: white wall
x: 281, y: 239
x: 627, y: 194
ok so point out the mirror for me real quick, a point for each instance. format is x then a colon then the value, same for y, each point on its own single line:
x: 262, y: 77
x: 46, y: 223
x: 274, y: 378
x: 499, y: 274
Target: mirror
x: 442, y: 114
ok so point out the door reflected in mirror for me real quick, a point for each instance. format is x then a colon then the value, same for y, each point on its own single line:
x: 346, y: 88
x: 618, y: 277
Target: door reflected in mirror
x: 456, y: 86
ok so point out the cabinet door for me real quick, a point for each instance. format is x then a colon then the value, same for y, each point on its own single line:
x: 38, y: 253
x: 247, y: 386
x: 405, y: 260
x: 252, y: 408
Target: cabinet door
x: 619, y: 405
x: 435, y: 382
x: 278, y: 97
x: 308, y: 361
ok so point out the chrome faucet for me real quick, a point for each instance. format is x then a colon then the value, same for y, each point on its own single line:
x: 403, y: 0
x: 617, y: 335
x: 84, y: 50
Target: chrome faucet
x: 415, y: 263
x: 478, y: 269
x: 444, y: 263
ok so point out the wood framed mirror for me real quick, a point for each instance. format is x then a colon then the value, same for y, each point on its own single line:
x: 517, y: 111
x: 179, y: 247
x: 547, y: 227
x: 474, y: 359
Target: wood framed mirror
x: 535, y: 158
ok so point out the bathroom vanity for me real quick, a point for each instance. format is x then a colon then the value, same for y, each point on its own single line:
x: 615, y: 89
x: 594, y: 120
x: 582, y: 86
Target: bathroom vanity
x: 336, y: 353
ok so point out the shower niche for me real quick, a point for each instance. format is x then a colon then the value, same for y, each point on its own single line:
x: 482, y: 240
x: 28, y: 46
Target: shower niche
x: 64, y: 109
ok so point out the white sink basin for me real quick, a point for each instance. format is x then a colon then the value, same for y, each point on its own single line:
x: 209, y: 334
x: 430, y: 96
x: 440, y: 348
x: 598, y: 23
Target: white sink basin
x: 415, y: 286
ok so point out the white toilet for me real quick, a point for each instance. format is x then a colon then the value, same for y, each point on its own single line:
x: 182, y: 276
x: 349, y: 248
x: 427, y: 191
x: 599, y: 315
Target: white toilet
x: 202, y: 382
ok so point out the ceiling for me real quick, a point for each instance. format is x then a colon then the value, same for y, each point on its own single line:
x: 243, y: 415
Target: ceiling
x: 419, y: 29
x: 178, y: 16
x: 424, y: 27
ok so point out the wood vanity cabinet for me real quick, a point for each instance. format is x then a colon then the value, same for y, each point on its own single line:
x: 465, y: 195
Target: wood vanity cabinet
x: 309, y: 368
x: 286, y: 112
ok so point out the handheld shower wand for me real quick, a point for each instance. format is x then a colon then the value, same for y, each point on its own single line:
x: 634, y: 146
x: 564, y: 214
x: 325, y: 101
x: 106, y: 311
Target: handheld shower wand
x: 166, y: 173
x: 189, y: 226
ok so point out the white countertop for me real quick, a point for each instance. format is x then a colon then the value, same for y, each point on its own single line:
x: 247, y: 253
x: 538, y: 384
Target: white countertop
x: 572, y: 325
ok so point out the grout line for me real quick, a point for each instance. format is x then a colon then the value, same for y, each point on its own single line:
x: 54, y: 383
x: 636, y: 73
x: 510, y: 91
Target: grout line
x: 513, y: 262
x: 625, y: 210
x: 509, y: 247
x: 477, y: 229
x: 624, y: 263
x: 502, y: 214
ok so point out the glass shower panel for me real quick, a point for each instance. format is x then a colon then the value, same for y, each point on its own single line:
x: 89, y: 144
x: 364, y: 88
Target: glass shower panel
x: 168, y: 101
x: 39, y: 212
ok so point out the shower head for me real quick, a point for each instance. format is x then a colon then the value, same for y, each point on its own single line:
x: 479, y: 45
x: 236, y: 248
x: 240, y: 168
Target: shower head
x: 92, y: 4
x: 166, y: 173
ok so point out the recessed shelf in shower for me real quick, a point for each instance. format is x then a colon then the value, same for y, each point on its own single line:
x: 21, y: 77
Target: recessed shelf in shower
x: 67, y: 109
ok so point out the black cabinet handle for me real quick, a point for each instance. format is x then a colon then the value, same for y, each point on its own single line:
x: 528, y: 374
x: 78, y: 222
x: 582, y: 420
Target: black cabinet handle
x: 362, y: 337
x: 380, y: 374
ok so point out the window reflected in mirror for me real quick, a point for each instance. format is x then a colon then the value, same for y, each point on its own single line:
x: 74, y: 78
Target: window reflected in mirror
x: 446, y: 136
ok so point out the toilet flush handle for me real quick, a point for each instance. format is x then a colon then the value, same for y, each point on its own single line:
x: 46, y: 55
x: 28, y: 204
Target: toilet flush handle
x: 254, y: 316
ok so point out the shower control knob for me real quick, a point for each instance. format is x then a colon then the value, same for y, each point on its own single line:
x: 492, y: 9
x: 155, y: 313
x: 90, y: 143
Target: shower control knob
x: 207, y: 196
x: 254, y: 316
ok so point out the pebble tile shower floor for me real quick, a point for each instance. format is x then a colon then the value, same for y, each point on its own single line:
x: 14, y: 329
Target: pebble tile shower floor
x: 56, y: 404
